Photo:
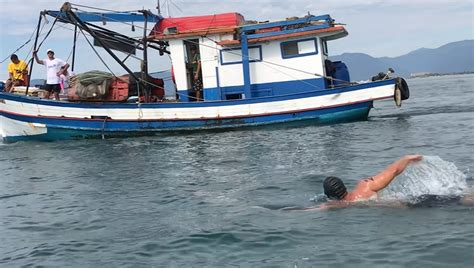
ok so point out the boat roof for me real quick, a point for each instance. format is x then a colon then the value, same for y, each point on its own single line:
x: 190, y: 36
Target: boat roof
x: 171, y: 28
x: 234, y: 23
x: 332, y: 33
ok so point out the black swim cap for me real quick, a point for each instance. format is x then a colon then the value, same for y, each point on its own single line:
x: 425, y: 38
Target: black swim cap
x: 334, y: 188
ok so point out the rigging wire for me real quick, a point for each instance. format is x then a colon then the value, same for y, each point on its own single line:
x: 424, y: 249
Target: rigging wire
x: 265, y: 61
x: 139, y: 79
x: 268, y: 63
x: 115, y: 20
x: 102, y: 60
x: 97, y: 53
x: 47, y: 34
x: 100, y: 9
x: 20, y: 47
x: 117, y: 39
x: 176, y: 6
x: 204, y: 36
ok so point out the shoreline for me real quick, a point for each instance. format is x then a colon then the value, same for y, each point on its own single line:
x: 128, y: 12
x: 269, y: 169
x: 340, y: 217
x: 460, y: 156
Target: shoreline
x: 440, y: 74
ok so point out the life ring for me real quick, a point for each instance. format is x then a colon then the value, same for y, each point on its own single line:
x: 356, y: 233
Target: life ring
x: 402, y: 84
x: 397, y: 97
x: 402, y: 92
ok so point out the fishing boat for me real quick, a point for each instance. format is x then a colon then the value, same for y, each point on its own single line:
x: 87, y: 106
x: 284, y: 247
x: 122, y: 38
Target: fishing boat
x: 252, y: 73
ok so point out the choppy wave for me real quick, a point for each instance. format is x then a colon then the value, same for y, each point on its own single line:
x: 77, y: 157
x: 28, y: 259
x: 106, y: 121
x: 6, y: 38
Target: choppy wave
x: 195, y: 199
x: 432, y: 176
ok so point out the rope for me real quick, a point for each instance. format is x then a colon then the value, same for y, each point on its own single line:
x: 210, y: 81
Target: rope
x: 140, y: 112
x: 70, y: 54
x: 139, y: 79
x: 47, y: 34
x: 101, y: 9
x: 8, y: 57
x: 97, y: 53
x: 268, y: 62
x: 114, y: 20
x: 281, y: 66
x: 20, y: 47
x: 103, y: 128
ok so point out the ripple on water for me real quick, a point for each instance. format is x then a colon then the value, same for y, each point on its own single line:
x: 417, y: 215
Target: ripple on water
x: 13, y: 195
x: 193, y: 200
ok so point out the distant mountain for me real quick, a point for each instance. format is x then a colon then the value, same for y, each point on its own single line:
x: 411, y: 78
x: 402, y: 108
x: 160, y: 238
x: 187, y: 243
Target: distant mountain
x: 450, y: 58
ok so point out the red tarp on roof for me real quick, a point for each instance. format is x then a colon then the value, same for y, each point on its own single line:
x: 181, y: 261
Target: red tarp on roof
x: 185, y: 24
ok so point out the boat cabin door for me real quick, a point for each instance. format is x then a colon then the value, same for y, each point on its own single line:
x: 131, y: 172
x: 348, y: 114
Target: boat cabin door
x: 192, y: 55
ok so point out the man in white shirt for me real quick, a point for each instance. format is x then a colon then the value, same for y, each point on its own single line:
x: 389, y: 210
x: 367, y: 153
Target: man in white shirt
x: 54, y: 69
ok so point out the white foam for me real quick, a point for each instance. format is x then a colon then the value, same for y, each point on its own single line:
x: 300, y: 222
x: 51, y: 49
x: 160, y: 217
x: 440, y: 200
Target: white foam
x: 432, y: 176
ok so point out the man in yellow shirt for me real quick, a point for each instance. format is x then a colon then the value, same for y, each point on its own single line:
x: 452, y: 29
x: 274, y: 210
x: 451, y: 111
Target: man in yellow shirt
x: 17, y: 71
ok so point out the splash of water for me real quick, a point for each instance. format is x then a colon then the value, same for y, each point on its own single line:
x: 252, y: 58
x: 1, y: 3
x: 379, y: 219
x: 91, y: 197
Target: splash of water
x: 431, y: 176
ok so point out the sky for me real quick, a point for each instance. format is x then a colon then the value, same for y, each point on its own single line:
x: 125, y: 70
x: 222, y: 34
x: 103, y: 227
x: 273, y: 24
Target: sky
x: 379, y: 28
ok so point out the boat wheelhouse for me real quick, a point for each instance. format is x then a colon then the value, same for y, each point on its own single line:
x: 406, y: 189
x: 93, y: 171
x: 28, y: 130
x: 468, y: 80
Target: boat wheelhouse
x: 252, y: 73
x: 254, y: 60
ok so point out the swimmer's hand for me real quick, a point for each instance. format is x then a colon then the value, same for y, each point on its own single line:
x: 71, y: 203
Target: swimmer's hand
x: 327, y: 206
x: 316, y: 208
x: 414, y: 158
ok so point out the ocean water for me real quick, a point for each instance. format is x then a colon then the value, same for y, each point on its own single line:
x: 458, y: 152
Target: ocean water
x: 214, y: 199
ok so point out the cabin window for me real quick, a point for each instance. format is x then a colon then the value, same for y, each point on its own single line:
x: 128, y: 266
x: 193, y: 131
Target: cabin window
x: 299, y: 48
x: 234, y: 55
x: 325, y: 48
x: 233, y: 96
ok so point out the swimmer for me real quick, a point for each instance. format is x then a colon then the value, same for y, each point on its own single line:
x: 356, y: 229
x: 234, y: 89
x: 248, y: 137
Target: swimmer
x: 367, y: 188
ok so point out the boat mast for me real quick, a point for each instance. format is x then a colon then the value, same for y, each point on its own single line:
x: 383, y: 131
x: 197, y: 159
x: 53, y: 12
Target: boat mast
x: 74, y: 48
x: 34, y: 50
x: 158, y: 8
x: 145, y: 58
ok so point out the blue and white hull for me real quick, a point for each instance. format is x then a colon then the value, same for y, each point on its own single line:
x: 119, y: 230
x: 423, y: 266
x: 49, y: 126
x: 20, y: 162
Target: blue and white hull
x: 24, y: 118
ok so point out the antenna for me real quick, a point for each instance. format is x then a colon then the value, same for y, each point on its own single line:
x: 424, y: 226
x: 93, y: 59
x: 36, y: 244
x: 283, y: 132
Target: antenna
x: 158, y: 7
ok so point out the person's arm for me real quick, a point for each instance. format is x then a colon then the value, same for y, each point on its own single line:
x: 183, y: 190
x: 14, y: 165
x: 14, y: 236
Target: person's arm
x: 10, y: 71
x: 35, y: 53
x: 25, y: 68
x: 322, y: 207
x: 63, y: 69
x: 196, y: 76
x: 383, y: 179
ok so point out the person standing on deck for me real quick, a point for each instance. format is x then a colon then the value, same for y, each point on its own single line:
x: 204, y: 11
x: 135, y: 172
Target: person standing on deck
x: 17, y: 72
x: 197, y: 74
x: 54, y: 69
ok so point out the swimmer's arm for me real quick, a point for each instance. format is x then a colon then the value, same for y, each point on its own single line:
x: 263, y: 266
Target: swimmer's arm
x: 302, y: 209
x: 383, y: 179
x: 389, y: 204
x: 318, y: 208
x: 327, y: 206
